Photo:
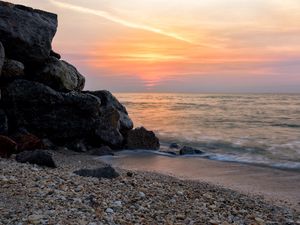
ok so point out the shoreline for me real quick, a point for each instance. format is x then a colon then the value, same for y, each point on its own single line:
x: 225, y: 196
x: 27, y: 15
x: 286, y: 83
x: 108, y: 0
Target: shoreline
x: 279, y: 186
x: 51, y: 196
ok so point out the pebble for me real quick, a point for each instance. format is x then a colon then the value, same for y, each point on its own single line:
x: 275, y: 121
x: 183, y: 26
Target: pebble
x: 142, y: 194
x: 109, y: 210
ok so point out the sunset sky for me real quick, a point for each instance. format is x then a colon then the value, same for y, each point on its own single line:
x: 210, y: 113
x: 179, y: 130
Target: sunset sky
x: 180, y: 45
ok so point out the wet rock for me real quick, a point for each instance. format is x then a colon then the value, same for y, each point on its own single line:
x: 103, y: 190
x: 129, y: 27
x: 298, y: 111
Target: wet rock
x: 3, y: 123
x: 38, y: 157
x: 26, y: 33
x: 104, y: 150
x: 186, y: 150
x: 7, y: 146
x: 59, y: 75
x: 12, y: 69
x: 78, y: 146
x: 104, y: 172
x: 2, y: 55
x: 174, y: 145
x: 110, y: 101
x: 140, y: 138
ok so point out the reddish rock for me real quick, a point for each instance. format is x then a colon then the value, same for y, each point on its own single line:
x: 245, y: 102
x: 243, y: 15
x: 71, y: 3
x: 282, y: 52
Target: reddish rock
x: 140, y: 138
x: 7, y: 146
x: 27, y: 141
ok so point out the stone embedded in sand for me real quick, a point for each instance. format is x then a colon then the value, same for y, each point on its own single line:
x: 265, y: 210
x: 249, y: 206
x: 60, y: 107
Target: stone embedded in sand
x: 104, y: 172
x: 38, y: 157
x: 140, y: 138
x: 59, y: 75
x: 12, y: 69
x: 7, y: 146
x: 2, y: 56
x: 26, y: 33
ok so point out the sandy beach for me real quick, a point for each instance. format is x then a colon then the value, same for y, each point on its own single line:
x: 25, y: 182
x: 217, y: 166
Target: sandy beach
x: 36, y: 195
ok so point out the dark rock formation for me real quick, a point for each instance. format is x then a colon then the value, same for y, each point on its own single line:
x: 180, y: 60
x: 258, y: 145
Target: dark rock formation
x: 7, y: 146
x: 59, y: 75
x: 140, y: 138
x: 185, y: 150
x: 26, y: 33
x: 12, y: 69
x: 2, y: 56
x: 38, y: 157
x: 104, y: 150
x: 105, y: 172
x: 55, y: 54
x: 3, y: 123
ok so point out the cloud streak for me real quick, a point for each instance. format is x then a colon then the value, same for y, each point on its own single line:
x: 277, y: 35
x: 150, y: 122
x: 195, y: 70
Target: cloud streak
x: 118, y: 20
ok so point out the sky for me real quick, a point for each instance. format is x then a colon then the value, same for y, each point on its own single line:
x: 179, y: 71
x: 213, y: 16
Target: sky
x: 180, y: 45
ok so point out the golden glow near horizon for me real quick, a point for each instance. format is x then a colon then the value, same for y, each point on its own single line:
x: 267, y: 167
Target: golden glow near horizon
x: 163, y: 45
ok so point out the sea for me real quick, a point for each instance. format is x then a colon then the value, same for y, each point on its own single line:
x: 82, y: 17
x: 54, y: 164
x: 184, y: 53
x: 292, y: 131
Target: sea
x: 260, y: 129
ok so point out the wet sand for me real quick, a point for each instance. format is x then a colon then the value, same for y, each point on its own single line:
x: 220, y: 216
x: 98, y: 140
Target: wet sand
x: 278, y: 186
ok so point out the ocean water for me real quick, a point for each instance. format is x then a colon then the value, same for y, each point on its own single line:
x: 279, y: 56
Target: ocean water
x: 249, y: 128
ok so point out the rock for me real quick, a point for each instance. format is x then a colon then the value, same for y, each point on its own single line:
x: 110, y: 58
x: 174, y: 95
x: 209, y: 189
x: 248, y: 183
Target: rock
x: 26, y: 33
x: 110, y: 101
x: 185, y: 150
x: 55, y: 54
x: 142, y: 194
x: 104, y: 172
x: 104, y: 150
x: 38, y: 157
x: 109, y: 210
x: 59, y: 75
x: 129, y: 174
x: 169, y: 152
x: 174, y: 145
x: 7, y: 147
x: 78, y: 146
x: 3, y: 123
x: 27, y: 141
x: 12, y: 69
x: 2, y: 56
x: 52, y: 115
x: 35, y: 219
x: 140, y: 138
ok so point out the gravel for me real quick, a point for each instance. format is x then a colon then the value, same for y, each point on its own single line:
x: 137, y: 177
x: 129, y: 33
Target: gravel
x: 35, y: 195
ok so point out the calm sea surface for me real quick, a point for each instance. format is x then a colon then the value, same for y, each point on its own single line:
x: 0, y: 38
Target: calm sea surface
x: 250, y: 128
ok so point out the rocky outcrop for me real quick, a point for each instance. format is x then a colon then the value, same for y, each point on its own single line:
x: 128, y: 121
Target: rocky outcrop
x: 140, y: 138
x: 26, y: 33
x: 38, y: 157
x: 1, y: 57
x: 7, y: 146
x: 44, y: 95
x: 59, y: 75
x: 105, y: 172
x: 104, y: 150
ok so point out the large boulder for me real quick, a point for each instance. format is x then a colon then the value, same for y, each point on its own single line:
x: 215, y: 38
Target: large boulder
x: 38, y: 157
x: 48, y: 113
x: 7, y: 146
x: 1, y: 57
x: 140, y: 138
x: 26, y: 33
x: 110, y: 101
x: 59, y: 75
